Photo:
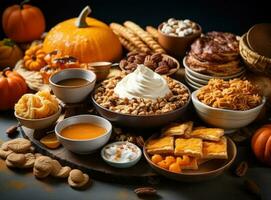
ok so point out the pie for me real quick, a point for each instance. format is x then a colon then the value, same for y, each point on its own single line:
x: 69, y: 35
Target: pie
x: 164, y: 145
x: 179, y: 129
x: 215, y: 150
x: 213, y: 134
x: 190, y: 146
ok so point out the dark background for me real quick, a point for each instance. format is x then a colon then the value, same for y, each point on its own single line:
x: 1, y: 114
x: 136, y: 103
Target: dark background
x: 221, y: 15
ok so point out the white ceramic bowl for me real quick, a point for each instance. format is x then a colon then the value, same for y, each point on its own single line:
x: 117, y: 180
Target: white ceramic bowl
x: 39, y: 123
x: 121, y: 164
x: 230, y: 120
x: 84, y: 146
x: 206, y: 77
x: 72, y: 94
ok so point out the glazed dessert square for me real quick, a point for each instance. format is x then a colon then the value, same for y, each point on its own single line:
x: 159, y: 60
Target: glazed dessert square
x: 179, y: 129
x: 192, y: 165
x: 164, y: 145
x: 215, y: 150
x: 190, y: 146
x: 213, y: 134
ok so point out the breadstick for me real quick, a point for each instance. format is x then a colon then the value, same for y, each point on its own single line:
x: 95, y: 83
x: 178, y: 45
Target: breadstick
x: 152, y: 31
x: 128, y: 45
x: 145, y: 36
x: 129, y: 36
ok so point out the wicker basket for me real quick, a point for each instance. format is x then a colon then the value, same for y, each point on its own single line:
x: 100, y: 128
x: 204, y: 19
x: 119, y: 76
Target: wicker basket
x: 253, y: 60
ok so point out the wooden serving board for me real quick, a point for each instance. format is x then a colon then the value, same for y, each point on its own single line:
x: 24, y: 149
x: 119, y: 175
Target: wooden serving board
x: 93, y: 163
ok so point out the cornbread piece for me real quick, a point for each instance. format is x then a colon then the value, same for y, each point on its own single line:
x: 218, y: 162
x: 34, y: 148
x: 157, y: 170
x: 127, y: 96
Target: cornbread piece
x: 179, y: 129
x: 193, y: 164
x: 215, y: 150
x: 130, y: 36
x: 164, y: 145
x: 213, y: 134
x: 191, y: 147
x: 145, y: 36
x: 152, y: 31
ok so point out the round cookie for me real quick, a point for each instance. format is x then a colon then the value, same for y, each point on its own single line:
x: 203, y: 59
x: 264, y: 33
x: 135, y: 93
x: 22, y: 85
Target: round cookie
x: 30, y: 160
x: 4, y: 153
x: 77, y: 179
x: 56, y: 167
x: 16, y: 159
x: 40, y: 174
x: 19, y: 145
x: 44, y: 164
x: 64, y: 172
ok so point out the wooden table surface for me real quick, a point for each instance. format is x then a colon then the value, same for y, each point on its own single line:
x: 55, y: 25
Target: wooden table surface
x: 21, y: 184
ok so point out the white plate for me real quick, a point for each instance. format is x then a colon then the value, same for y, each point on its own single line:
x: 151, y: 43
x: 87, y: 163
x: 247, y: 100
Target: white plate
x: 206, y: 77
x: 195, y: 79
x: 193, y: 82
x: 191, y: 85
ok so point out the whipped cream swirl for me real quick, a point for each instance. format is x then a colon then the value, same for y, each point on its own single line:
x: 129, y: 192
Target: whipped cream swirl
x: 142, y: 83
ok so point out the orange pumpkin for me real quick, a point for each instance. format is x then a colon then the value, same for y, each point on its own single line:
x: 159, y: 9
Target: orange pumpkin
x: 261, y: 144
x: 84, y: 38
x: 23, y: 23
x: 10, y: 53
x: 12, y: 87
x: 34, y: 58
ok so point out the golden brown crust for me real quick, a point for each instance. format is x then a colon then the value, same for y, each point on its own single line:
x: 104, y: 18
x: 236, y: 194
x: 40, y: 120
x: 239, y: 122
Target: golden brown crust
x: 215, y: 150
x: 191, y: 147
x: 164, y: 145
x: 152, y: 31
x: 145, y: 36
x: 213, y: 134
x: 130, y: 36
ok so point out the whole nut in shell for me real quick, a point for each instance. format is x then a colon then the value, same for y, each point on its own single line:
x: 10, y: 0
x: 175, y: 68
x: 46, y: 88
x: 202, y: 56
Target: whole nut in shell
x: 77, y: 178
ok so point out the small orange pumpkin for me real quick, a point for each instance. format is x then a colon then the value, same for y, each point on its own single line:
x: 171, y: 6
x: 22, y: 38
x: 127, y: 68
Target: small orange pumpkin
x: 261, y: 144
x: 23, y: 23
x: 84, y: 38
x: 12, y: 87
x: 34, y: 58
x: 10, y: 53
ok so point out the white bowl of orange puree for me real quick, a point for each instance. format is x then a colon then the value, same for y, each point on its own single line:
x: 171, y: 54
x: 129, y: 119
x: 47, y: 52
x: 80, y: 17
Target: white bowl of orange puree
x: 83, y: 134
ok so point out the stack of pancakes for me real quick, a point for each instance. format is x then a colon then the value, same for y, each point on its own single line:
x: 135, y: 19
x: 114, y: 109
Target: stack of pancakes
x: 215, y: 53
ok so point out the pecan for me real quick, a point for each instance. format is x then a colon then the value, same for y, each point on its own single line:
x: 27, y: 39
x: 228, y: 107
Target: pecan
x: 139, y: 59
x: 241, y: 169
x: 156, y: 57
x: 162, y: 70
x: 140, y: 141
x: 145, y: 191
x: 171, y: 63
x: 149, y: 63
x: 123, y: 63
x: 131, y: 59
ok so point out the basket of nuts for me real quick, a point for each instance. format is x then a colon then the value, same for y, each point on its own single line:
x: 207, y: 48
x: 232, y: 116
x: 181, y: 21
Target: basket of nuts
x: 159, y: 63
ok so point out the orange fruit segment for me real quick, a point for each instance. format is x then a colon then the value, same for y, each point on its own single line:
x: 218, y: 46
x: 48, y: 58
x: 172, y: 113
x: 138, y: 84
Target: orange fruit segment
x: 50, y: 141
x: 156, y: 158
x: 175, y: 167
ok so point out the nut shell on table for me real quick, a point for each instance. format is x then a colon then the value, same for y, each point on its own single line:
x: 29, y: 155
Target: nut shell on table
x: 56, y: 167
x: 63, y: 172
x: 29, y: 160
x: 77, y: 179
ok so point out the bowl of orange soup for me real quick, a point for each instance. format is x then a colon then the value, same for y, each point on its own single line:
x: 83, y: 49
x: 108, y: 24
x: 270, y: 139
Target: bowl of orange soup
x: 83, y: 134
